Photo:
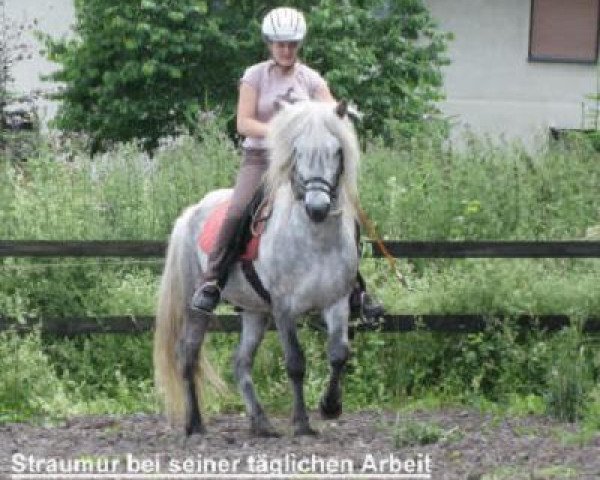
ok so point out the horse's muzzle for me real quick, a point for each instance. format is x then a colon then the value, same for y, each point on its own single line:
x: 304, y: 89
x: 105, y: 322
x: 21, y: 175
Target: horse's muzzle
x: 317, y: 204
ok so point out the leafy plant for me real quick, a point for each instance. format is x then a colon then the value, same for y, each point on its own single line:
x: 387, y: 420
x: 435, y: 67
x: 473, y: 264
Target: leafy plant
x: 54, y: 378
x: 27, y: 385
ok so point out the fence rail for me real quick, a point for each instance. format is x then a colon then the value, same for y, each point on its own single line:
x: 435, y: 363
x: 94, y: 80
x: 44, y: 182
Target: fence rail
x: 399, y: 249
x: 231, y: 323
x: 459, y: 323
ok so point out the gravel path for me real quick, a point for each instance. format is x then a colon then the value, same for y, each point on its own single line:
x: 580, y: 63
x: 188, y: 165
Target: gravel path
x: 464, y: 444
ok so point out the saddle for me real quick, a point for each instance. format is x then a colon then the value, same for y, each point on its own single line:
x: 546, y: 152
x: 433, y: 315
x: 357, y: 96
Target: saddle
x: 246, y: 249
x: 244, y: 244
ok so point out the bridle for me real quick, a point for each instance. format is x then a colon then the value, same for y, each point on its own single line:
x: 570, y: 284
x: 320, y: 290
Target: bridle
x: 301, y: 185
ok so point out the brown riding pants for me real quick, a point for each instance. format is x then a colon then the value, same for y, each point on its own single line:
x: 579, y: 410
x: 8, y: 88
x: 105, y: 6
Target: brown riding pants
x: 249, y: 177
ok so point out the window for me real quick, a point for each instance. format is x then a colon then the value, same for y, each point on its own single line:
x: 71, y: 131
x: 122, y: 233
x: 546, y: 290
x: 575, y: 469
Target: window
x: 564, y: 30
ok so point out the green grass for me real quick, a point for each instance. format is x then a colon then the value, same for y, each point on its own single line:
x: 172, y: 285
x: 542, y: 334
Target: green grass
x: 409, y: 433
x: 424, y: 191
x: 541, y: 473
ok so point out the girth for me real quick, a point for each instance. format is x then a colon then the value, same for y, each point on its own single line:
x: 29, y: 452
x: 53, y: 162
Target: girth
x: 253, y: 279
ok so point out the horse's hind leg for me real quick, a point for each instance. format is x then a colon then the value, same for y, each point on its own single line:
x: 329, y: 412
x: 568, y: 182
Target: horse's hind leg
x: 190, y: 342
x: 336, y: 318
x: 296, y: 366
x: 253, y: 330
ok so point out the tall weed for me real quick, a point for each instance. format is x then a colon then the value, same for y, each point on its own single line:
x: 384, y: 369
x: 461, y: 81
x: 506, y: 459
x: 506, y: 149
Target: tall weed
x: 424, y: 191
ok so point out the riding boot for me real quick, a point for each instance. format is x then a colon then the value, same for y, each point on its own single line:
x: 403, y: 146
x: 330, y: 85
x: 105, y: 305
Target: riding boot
x: 206, y: 297
x: 208, y: 292
x: 362, y: 304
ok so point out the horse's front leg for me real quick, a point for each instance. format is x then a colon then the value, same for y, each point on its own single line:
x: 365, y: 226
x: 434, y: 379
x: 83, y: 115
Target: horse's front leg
x: 253, y: 330
x: 336, y: 318
x: 296, y: 366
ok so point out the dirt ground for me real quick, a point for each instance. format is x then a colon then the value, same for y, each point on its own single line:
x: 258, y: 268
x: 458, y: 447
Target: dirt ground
x: 468, y: 445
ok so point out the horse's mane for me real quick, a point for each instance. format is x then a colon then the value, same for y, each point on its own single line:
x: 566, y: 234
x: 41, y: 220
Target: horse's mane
x: 313, y: 120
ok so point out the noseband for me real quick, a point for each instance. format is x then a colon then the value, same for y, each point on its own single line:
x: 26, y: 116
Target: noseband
x: 302, y: 185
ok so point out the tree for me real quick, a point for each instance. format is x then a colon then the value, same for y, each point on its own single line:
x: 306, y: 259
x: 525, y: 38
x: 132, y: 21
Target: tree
x: 132, y: 71
x: 142, y: 71
x: 385, y: 56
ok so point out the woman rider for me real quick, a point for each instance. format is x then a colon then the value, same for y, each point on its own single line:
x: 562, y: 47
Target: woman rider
x: 282, y: 77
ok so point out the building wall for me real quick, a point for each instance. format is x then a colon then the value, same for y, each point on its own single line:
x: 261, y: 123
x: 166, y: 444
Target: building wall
x: 490, y: 85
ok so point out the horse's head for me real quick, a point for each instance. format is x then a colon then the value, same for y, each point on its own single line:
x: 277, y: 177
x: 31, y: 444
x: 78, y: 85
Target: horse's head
x: 316, y: 174
x: 314, y: 147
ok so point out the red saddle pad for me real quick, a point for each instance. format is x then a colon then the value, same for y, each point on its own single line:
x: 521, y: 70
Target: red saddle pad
x: 208, y: 235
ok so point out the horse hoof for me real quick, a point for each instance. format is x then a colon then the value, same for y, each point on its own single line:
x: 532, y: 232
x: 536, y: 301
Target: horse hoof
x: 265, y: 432
x: 304, y: 430
x: 194, y: 429
x: 330, y: 411
x: 263, y: 428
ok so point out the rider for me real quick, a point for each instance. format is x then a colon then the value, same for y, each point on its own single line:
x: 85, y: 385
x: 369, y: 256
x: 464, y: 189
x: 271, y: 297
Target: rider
x: 282, y: 77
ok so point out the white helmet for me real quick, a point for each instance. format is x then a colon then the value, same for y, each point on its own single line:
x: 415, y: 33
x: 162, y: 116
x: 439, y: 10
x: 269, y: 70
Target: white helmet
x: 284, y: 25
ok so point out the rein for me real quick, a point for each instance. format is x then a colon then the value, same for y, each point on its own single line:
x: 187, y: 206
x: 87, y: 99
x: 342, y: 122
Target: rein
x: 364, y: 219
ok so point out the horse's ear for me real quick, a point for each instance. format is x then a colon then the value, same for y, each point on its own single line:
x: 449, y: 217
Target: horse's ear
x: 342, y: 108
x: 354, y: 114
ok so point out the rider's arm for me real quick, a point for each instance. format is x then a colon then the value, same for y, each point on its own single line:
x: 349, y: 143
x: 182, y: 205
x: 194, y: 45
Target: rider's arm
x: 247, y: 124
x: 323, y: 94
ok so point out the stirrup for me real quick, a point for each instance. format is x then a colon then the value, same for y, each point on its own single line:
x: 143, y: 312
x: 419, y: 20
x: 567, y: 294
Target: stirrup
x: 206, y: 297
x: 370, y: 310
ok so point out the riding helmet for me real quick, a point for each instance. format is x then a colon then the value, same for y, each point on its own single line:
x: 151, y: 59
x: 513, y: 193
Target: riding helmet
x: 284, y: 24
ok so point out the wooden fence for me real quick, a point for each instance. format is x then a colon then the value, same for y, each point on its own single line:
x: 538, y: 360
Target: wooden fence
x: 459, y: 323
x: 399, y: 249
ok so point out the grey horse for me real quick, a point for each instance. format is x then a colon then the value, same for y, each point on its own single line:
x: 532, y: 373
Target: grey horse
x: 307, y: 261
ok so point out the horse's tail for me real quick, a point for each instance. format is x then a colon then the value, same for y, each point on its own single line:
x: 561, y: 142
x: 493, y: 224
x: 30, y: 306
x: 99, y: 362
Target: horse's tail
x: 179, y: 276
